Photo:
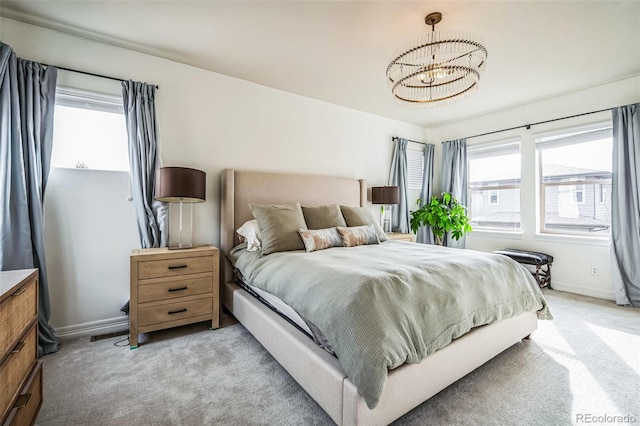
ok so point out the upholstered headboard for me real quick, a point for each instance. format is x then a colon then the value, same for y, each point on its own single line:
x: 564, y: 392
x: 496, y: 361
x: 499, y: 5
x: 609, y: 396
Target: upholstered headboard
x: 243, y: 187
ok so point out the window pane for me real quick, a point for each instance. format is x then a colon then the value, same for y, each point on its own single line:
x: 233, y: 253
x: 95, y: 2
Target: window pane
x: 491, y: 169
x: 577, y: 161
x: 85, y: 138
x: 576, y: 183
x: 503, y: 169
x: 564, y: 212
x: 503, y: 215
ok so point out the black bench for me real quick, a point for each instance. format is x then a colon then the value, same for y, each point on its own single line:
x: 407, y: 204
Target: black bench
x: 539, y: 260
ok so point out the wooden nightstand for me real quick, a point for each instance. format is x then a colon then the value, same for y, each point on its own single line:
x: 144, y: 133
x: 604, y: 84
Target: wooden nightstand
x: 400, y: 236
x: 173, y: 287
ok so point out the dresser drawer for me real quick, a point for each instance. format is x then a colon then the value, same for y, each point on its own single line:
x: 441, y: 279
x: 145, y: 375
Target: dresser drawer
x: 16, y: 312
x: 174, y: 267
x: 15, y: 368
x: 174, y: 311
x: 164, y: 290
x: 28, y: 404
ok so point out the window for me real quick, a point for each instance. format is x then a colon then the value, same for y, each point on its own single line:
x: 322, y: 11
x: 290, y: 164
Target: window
x: 415, y: 165
x: 494, y: 185
x: 89, y: 131
x: 493, y: 198
x: 575, y: 177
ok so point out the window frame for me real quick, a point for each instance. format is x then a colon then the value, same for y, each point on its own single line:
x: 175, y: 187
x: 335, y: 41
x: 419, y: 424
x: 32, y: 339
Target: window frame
x: 558, y: 138
x: 514, y: 143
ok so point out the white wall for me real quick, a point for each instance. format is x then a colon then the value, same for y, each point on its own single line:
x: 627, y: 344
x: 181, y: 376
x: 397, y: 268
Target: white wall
x: 206, y: 121
x: 574, y: 257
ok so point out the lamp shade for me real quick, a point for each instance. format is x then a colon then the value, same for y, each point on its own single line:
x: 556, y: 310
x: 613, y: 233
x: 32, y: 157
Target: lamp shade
x: 386, y: 195
x: 180, y: 184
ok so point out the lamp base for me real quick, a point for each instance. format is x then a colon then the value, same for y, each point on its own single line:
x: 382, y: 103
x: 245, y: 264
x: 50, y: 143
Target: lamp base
x: 180, y: 227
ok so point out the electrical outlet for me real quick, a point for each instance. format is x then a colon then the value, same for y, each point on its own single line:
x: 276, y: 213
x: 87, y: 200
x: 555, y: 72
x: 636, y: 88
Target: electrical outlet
x: 595, y: 270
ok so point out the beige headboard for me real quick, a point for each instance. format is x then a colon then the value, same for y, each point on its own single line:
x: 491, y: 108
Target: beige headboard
x: 243, y: 187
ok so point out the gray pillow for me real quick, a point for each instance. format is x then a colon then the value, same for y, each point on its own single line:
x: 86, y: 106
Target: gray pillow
x: 279, y: 226
x: 359, y: 216
x: 322, y: 217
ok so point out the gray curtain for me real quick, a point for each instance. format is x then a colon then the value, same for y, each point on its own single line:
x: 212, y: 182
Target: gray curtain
x: 140, y: 116
x: 398, y: 177
x: 454, y: 178
x: 27, y: 101
x: 424, y: 233
x: 625, y: 201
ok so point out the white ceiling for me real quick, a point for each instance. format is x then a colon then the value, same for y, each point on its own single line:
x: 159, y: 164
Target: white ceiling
x: 337, y: 51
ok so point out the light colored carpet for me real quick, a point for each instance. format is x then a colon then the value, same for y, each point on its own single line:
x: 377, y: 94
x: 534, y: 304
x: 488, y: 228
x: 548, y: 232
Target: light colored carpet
x: 585, y: 362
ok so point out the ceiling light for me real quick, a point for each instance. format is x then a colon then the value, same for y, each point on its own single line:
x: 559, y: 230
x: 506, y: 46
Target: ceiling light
x: 439, y: 67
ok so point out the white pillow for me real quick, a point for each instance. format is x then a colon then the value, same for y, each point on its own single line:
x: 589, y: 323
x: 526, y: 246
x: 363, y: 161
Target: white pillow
x: 250, y: 233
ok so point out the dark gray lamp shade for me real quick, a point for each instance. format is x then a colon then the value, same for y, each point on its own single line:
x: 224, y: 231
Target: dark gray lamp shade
x: 386, y: 195
x: 181, y: 184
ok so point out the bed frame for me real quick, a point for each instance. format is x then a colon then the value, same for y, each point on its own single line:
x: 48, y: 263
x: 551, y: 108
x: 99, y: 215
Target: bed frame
x: 319, y: 373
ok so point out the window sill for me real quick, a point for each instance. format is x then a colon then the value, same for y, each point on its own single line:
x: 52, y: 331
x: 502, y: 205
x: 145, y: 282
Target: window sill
x: 573, y: 239
x: 481, y: 233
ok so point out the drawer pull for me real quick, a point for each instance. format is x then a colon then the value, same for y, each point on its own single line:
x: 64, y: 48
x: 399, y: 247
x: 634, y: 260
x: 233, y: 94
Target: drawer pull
x: 22, y: 400
x: 18, y: 347
x: 177, y: 267
x: 178, y: 289
x: 178, y: 311
x: 19, y: 292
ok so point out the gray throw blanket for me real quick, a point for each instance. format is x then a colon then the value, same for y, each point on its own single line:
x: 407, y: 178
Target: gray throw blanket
x: 383, y: 305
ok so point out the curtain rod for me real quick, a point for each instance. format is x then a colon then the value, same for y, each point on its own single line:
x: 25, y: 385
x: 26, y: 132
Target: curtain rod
x: 421, y: 143
x: 90, y: 73
x: 528, y: 126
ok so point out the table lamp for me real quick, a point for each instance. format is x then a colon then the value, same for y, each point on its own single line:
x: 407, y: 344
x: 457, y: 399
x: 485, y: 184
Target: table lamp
x: 181, y: 185
x: 386, y: 196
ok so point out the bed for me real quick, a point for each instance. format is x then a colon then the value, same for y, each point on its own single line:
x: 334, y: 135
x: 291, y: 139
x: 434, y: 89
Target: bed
x: 317, y: 371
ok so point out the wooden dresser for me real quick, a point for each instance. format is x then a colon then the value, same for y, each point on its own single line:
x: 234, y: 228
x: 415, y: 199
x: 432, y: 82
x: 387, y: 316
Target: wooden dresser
x: 173, y: 287
x: 20, y: 370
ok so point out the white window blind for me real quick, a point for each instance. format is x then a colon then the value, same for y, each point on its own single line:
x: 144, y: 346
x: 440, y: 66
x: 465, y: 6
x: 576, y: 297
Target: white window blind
x: 415, y: 165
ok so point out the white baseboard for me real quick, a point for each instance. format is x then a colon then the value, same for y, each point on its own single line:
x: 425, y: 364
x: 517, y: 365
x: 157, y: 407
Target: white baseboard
x: 93, y: 328
x: 585, y: 291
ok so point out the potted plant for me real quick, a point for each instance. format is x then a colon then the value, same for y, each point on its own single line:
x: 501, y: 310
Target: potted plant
x: 443, y: 214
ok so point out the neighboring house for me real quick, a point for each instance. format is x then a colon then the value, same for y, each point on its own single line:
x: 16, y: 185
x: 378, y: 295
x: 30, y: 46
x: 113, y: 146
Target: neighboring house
x: 581, y: 207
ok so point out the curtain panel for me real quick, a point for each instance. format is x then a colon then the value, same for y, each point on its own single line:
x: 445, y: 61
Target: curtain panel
x: 425, y: 235
x: 27, y: 102
x: 140, y: 115
x: 398, y: 177
x: 454, y: 178
x: 625, y: 203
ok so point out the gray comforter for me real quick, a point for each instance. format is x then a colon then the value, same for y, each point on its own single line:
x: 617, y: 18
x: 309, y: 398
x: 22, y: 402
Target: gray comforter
x: 383, y: 305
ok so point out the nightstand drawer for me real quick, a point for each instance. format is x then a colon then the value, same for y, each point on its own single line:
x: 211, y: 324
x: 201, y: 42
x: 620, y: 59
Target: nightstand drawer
x: 15, y: 369
x: 29, y: 402
x: 151, y: 292
x: 174, y: 267
x: 16, y: 313
x: 174, y: 311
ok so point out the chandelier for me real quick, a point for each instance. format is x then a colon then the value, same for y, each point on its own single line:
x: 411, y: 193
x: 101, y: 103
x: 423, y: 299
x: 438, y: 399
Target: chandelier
x: 440, y: 67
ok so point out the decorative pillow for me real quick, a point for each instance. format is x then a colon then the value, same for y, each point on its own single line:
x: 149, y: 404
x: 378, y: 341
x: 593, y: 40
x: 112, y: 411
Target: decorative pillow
x: 320, y: 239
x: 358, y: 235
x: 322, y: 217
x: 359, y: 216
x: 250, y: 232
x: 279, y: 226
